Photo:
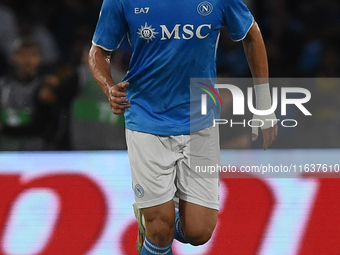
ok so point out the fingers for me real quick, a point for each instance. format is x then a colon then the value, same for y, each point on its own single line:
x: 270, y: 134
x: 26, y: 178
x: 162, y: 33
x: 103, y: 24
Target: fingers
x: 255, y: 130
x: 123, y: 85
x: 269, y: 136
x: 254, y: 137
x: 117, y: 98
x: 119, y: 90
x: 118, y: 105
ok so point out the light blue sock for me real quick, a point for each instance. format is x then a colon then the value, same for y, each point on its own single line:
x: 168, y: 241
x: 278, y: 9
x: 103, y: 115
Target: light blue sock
x: 149, y: 248
x: 179, y: 234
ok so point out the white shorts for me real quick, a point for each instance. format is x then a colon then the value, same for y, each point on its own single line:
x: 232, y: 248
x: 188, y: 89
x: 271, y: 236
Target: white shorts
x: 160, y: 167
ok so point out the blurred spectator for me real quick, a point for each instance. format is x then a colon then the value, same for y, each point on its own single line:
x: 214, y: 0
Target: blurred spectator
x: 8, y: 34
x: 34, y: 107
x: 25, y: 116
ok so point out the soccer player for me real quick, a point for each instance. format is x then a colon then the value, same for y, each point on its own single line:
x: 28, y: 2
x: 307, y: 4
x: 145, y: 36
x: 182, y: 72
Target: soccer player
x: 172, y: 42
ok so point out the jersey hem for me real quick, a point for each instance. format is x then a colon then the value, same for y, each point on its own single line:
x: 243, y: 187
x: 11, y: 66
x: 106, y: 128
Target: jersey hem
x: 191, y: 130
x: 199, y: 201
x: 101, y: 46
x: 247, y: 31
x: 154, y: 202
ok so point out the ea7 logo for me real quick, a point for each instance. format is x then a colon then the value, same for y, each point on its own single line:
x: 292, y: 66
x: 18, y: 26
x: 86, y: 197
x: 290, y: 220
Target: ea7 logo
x: 142, y: 10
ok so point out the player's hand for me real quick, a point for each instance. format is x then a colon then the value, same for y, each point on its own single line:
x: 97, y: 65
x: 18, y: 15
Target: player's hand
x: 268, y: 123
x: 117, y: 98
x: 269, y: 135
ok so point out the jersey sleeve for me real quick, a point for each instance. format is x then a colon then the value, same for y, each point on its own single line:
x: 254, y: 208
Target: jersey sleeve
x: 111, y: 27
x: 238, y: 19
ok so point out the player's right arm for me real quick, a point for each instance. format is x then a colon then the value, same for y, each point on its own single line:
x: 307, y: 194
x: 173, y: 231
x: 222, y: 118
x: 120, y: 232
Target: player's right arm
x: 99, y: 62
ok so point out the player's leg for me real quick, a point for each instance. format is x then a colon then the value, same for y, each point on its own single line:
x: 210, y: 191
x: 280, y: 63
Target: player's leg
x: 153, y: 175
x: 198, y: 191
x: 159, y: 223
x: 197, y: 222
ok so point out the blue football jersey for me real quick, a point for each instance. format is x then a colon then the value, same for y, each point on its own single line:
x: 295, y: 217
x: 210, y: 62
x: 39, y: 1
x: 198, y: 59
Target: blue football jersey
x: 173, y: 41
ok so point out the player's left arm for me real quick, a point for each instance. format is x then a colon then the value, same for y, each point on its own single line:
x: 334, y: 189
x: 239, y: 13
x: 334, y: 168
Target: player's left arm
x: 256, y: 54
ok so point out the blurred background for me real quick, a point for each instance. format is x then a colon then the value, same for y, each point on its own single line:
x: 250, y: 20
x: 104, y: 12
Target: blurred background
x: 69, y: 191
x: 43, y: 62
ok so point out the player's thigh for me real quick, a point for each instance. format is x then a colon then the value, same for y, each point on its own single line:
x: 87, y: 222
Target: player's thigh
x: 152, y: 168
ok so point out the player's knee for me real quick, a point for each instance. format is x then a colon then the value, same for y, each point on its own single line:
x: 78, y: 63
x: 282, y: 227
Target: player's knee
x: 163, y: 229
x: 160, y: 231
x: 160, y: 226
x: 199, y: 236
